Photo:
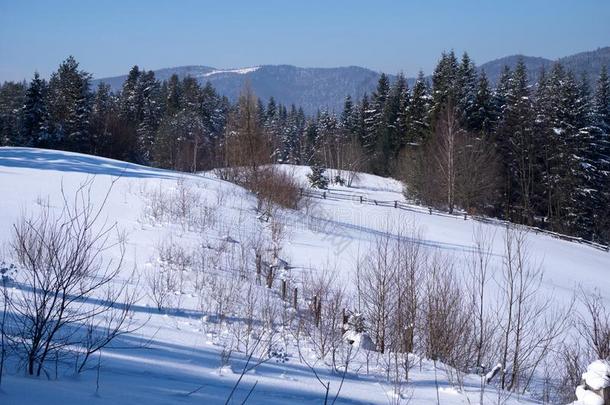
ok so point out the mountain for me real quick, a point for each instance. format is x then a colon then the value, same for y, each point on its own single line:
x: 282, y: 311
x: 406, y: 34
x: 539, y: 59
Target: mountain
x: 325, y: 88
x: 494, y: 68
x: 587, y: 63
x: 310, y: 88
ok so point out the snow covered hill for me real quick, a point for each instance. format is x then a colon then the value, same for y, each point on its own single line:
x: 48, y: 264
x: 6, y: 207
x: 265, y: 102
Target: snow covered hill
x: 179, y: 354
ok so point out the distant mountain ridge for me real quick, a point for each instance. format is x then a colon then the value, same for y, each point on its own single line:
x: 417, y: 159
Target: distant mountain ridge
x: 584, y: 63
x: 325, y: 88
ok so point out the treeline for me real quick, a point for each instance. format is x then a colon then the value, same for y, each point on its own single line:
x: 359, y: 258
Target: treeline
x: 535, y: 154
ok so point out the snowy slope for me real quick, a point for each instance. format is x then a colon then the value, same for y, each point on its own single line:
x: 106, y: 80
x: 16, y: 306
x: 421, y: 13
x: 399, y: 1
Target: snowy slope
x: 175, y: 356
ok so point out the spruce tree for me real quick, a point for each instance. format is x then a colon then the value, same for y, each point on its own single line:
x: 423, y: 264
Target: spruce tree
x: 516, y: 147
x: 601, y: 101
x: 102, y: 114
x: 444, y: 84
x: 418, y: 113
x: 347, y: 116
x: 173, y: 95
x: 481, y: 117
x: 130, y: 101
x: 467, y: 91
x: 12, y: 98
x: 35, y: 125
x: 69, y: 106
x: 600, y: 149
x: 151, y: 113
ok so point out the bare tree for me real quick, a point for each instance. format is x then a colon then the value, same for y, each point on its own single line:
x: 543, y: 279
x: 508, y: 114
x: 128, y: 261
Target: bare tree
x: 479, y: 268
x: 246, y: 144
x: 377, y: 288
x: 445, y: 151
x: 529, y: 323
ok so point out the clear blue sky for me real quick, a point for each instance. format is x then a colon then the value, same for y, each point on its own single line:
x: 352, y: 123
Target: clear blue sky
x: 108, y: 37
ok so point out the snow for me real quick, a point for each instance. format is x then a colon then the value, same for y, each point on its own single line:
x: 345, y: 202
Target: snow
x: 241, y: 71
x: 597, y: 375
x: 586, y: 397
x: 176, y: 355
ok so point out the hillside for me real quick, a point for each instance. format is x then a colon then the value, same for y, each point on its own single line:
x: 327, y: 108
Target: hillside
x: 176, y: 354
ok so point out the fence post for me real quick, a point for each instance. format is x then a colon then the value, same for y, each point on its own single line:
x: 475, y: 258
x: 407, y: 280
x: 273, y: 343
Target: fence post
x: 258, y: 268
x: 395, y: 204
x: 270, y: 277
x: 324, y: 195
x: 284, y: 290
x: 360, y: 199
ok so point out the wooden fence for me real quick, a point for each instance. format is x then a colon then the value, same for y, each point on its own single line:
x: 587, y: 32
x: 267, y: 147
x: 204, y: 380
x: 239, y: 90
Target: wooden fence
x: 362, y: 199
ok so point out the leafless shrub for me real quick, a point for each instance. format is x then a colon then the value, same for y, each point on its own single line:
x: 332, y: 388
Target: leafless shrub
x: 101, y: 330
x: 272, y: 187
x: 570, y: 363
x: 594, y: 327
x: 63, y: 274
x: 388, y: 292
x: 176, y: 259
x: 448, y: 333
x: 162, y: 285
x: 182, y: 205
x: 324, y: 323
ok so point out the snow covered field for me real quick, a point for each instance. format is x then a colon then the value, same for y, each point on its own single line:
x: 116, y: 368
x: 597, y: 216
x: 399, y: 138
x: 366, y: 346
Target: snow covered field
x: 176, y: 355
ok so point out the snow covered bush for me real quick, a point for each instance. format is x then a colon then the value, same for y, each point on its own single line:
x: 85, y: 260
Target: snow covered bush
x: 595, y: 387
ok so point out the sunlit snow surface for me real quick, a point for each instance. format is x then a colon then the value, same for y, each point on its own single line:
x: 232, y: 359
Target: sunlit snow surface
x: 176, y: 353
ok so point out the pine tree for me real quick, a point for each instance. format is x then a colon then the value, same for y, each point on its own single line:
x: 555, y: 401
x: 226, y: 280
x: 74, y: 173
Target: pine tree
x: 444, y: 84
x: 12, y: 98
x: 601, y: 101
x: 35, y: 125
x: 418, y: 113
x: 311, y: 136
x: 69, y: 106
x: 378, y: 115
x: 600, y: 156
x: 482, y: 115
x: 151, y: 112
x: 130, y: 100
x: 377, y: 143
x: 364, y: 124
x: 347, y: 116
x: 516, y: 147
x: 102, y: 113
x: 395, y: 117
x: 500, y: 93
x: 467, y: 91
x: 173, y: 95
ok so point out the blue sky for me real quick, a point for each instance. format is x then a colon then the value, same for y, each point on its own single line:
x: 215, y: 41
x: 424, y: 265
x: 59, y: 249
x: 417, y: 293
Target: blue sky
x: 108, y: 37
